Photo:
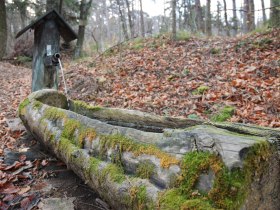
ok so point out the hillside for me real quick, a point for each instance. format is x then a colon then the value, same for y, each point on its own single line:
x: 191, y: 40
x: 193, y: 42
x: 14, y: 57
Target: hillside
x: 193, y: 77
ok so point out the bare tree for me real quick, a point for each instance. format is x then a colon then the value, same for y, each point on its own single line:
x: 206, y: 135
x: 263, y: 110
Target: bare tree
x: 142, y: 19
x: 226, y: 19
x: 208, y: 18
x: 263, y: 11
x: 250, y: 7
x: 198, y: 15
x: 3, y: 29
x: 173, y: 7
x: 130, y: 20
x: 123, y: 21
x: 234, y: 18
x: 84, y: 12
x: 275, y: 13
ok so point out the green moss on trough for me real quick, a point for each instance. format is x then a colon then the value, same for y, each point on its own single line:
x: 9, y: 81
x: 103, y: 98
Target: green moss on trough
x: 197, y: 204
x: 81, y: 104
x: 225, y: 114
x: 22, y: 105
x: 145, y: 169
x: 70, y: 126
x: 171, y: 199
x: 53, y: 113
x: 66, y: 147
x: 138, y: 198
x: 37, y: 105
x: 115, y: 173
x: 126, y: 144
x: 230, y: 188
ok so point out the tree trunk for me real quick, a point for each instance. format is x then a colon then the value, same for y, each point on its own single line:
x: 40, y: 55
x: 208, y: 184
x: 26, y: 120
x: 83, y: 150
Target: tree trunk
x: 136, y: 160
x: 130, y: 20
x: 275, y: 13
x: 142, y: 24
x: 173, y: 7
x: 123, y: 21
x: 226, y: 19
x: 208, y: 18
x: 3, y: 29
x: 245, y: 16
x: 263, y: 11
x: 219, y: 22
x: 84, y: 12
x: 250, y: 15
x: 198, y: 16
x: 235, y: 20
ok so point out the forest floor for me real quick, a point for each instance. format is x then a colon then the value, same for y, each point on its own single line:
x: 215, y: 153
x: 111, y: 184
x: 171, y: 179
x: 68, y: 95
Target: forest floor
x: 193, y: 77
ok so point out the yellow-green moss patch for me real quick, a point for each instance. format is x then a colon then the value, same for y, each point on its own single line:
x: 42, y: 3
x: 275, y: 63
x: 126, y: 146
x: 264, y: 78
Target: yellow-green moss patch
x: 115, y: 173
x: 126, y: 144
x: 81, y: 104
x: 145, y: 169
x: 230, y: 188
x: 70, y: 126
x: 224, y: 114
x: 53, y: 113
x: 139, y: 199
x: 22, y: 105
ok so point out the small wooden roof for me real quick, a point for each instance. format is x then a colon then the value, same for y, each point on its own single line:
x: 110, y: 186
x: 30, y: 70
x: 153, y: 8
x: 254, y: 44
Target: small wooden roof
x: 64, y: 28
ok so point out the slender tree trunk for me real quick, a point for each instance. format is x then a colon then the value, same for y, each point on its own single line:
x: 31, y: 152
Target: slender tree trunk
x: 173, y: 6
x: 235, y: 25
x: 208, y: 18
x: 250, y: 15
x: 245, y: 16
x: 84, y: 12
x: 3, y: 29
x: 130, y: 21
x: 142, y: 19
x: 226, y: 19
x: 275, y: 13
x: 263, y: 11
x: 198, y: 15
x: 219, y: 17
x: 123, y: 21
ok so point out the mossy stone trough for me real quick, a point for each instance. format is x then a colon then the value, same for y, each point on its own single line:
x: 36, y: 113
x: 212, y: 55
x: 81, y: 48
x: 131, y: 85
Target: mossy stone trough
x: 136, y: 160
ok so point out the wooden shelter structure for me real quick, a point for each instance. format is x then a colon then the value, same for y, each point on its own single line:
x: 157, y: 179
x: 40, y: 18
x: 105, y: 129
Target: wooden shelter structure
x: 47, y: 31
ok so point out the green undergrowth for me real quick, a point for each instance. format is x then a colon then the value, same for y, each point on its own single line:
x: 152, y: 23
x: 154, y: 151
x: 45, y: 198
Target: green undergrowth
x: 224, y: 114
x: 200, y: 90
x: 230, y: 188
x: 138, y: 198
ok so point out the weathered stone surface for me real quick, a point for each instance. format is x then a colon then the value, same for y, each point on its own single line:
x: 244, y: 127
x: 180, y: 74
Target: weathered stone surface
x: 136, y: 159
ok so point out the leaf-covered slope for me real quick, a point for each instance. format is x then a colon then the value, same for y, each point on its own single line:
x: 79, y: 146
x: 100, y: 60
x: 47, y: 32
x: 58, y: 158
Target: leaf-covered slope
x: 192, y: 78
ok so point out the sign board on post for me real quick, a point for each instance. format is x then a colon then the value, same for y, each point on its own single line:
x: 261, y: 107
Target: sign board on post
x: 47, y: 32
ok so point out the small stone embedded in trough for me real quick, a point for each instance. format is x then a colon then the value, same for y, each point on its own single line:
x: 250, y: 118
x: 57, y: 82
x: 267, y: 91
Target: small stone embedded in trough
x: 136, y: 160
x: 47, y: 32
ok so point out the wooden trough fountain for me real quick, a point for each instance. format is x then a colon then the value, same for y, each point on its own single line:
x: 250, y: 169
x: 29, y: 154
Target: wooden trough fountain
x: 136, y: 160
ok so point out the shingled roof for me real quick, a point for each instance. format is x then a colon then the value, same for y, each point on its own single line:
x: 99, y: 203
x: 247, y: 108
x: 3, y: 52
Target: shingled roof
x: 64, y: 28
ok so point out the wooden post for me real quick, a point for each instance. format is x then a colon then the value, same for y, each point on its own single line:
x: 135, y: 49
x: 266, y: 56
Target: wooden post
x: 46, y: 44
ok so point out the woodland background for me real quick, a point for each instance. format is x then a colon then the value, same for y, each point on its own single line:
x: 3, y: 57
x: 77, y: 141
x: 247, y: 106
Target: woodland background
x: 102, y: 24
